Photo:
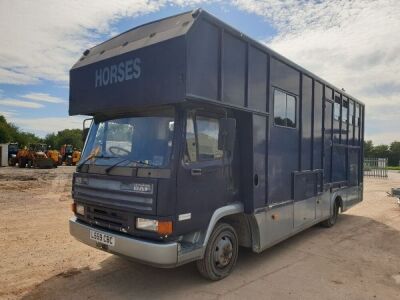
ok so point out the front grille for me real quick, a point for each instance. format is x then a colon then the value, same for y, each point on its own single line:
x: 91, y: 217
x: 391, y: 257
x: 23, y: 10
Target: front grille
x: 109, y: 218
x: 120, y: 198
x: 107, y: 192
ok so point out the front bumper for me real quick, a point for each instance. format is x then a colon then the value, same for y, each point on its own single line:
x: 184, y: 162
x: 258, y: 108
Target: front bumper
x: 152, y: 253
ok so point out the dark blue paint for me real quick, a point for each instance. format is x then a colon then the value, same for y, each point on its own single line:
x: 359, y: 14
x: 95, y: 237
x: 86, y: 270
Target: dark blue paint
x: 306, y: 128
x: 212, y: 69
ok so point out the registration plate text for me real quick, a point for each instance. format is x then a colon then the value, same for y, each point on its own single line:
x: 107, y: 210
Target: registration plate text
x: 102, y: 238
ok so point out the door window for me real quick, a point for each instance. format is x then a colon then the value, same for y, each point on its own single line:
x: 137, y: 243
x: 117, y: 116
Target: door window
x: 202, y: 139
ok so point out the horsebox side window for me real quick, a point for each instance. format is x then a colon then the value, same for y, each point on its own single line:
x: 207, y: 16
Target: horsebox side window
x: 357, y: 120
x: 284, y: 109
x: 344, y: 110
x: 336, y: 108
x: 351, y: 112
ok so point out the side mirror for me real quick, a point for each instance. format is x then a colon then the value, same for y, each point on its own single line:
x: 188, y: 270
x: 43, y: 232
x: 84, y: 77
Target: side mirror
x: 227, y: 134
x: 85, y: 129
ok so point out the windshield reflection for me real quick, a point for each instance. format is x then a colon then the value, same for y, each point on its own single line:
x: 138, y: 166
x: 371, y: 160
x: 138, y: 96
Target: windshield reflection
x: 139, y: 140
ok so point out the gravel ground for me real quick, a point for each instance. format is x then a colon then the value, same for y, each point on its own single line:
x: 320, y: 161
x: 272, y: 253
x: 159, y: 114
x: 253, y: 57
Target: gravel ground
x: 359, y: 258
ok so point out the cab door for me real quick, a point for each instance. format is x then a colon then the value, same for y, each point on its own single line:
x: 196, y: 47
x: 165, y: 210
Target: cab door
x: 203, y: 173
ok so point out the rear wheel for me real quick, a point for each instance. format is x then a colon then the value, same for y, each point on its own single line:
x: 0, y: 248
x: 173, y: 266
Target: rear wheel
x: 333, y: 218
x: 221, y: 253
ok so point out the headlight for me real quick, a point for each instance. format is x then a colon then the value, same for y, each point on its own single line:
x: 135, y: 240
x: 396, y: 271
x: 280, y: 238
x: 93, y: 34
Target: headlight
x: 80, y: 209
x: 146, y: 224
x: 161, y: 227
x: 13, y: 155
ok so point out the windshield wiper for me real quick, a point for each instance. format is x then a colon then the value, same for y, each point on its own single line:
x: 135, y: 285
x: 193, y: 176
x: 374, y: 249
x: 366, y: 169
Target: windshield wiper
x: 130, y: 160
x: 79, y: 167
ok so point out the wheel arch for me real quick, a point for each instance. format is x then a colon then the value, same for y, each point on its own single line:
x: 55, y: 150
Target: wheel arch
x: 337, y: 198
x: 231, y: 214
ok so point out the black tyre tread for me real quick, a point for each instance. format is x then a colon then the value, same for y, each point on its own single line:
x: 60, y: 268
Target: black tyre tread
x: 203, y: 264
x: 327, y: 223
x: 21, y: 163
x: 396, y: 192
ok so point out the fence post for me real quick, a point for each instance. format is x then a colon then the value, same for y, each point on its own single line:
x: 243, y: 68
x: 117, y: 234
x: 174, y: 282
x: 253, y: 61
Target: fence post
x: 376, y: 167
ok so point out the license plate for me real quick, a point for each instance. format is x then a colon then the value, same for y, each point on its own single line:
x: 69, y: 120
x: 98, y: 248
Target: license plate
x: 102, y: 238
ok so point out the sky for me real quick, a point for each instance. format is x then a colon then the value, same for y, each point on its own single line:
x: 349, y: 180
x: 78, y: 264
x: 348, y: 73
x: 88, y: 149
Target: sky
x: 351, y: 44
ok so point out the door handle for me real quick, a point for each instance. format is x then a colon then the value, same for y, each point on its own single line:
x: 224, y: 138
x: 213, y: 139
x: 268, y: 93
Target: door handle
x: 195, y: 172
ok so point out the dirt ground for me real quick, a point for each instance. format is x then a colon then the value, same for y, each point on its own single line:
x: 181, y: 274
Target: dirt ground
x: 359, y: 258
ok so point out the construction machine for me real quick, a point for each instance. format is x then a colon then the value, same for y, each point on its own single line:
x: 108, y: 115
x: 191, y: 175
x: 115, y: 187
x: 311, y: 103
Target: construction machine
x: 34, y: 156
x: 76, y: 156
x: 55, y: 156
x: 12, y: 154
x: 69, y: 157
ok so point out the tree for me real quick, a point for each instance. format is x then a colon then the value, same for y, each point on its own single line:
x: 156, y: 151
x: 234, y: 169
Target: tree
x: 5, y: 136
x: 394, y: 158
x: 11, y: 133
x: 67, y: 136
x: 381, y: 151
x: 52, y: 140
x: 368, y: 148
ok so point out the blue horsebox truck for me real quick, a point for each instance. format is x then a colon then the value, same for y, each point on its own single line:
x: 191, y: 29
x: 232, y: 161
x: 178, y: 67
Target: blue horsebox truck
x: 203, y: 140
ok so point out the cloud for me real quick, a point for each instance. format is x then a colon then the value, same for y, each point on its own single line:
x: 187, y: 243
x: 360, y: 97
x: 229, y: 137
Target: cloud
x: 43, y: 126
x: 13, y: 76
x: 42, y: 97
x: 51, y: 35
x: 351, y: 44
x: 8, y: 113
x: 19, y: 103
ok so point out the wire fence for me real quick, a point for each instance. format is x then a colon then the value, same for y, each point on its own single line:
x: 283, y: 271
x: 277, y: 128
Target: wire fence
x: 376, y: 167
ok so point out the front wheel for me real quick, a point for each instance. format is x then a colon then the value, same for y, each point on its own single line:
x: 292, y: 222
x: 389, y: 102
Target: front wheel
x: 221, y: 253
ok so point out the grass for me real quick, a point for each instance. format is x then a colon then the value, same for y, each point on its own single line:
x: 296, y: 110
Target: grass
x: 393, y: 168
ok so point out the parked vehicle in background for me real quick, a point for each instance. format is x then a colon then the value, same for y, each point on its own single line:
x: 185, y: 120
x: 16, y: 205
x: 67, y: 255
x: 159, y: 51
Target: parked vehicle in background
x: 34, y: 156
x: 55, y: 156
x: 76, y: 156
x: 204, y: 140
x: 66, y: 154
x: 12, y: 154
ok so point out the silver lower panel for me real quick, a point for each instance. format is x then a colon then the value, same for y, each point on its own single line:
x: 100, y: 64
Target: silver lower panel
x: 157, y: 254
x: 278, y: 223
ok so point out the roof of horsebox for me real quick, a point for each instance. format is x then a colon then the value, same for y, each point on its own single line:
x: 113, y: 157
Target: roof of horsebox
x: 139, y: 37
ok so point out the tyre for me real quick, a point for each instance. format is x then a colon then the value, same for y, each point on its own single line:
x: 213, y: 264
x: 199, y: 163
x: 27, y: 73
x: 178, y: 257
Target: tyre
x: 21, y: 163
x: 333, y: 218
x: 396, y: 192
x: 221, y: 253
x: 12, y: 162
x: 29, y: 164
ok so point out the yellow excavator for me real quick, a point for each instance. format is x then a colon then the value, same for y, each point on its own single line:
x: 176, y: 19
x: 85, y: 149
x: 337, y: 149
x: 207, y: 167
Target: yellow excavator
x: 34, y: 156
x: 76, y: 156
x: 55, y: 156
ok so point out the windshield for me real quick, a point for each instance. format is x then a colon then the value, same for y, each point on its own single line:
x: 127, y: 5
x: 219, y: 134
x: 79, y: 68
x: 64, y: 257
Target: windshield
x: 144, y: 141
x: 69, y: 149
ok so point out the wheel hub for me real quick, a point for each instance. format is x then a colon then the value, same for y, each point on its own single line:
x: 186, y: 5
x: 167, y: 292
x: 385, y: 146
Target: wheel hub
x: 223, y: 252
